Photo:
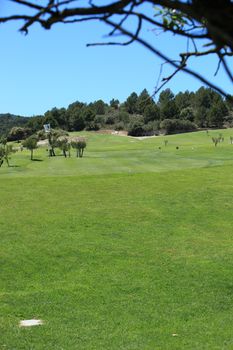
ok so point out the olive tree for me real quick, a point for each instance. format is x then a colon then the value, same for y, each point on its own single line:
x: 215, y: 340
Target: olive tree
x: 79, y: 143
x: 216, y: 140
x: 53, y: 137
x: 64, y: 144
x: 5, y: 151
x: 31, y: 143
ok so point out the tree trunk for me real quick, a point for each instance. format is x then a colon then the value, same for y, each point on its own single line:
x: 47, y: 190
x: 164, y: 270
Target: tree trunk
x: 31, y: 154
x: 7, y: 160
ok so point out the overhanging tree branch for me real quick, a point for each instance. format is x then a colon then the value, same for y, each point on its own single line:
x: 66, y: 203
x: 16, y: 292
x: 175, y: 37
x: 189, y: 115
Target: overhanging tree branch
x: 207, y: 23
x: 178, y: 66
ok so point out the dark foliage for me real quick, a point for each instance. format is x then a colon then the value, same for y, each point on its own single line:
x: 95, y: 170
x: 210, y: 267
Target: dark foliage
x: 173, y: 126
x: 8, y: 121
x: 139, y: 114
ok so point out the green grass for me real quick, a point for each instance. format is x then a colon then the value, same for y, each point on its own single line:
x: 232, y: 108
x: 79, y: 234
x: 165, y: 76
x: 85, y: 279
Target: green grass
x: 108, y: 154
x: 120, y: 249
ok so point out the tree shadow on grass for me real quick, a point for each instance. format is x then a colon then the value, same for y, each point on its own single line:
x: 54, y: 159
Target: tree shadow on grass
x: 37, y: 160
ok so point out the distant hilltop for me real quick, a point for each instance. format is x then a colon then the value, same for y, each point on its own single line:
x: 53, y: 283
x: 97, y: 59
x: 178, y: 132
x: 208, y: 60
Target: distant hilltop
x: 8, y: 121
x: 139, y: 115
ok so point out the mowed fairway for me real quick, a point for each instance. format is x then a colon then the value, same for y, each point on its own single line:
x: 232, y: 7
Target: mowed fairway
x: 129, y: 248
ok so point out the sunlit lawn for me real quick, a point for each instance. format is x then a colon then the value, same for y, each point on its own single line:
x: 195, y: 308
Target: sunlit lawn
x: 130, y: 247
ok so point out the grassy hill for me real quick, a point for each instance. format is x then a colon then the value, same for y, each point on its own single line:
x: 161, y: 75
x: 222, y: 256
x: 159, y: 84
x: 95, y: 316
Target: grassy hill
x: 129, y: 247
x: 111, y: 154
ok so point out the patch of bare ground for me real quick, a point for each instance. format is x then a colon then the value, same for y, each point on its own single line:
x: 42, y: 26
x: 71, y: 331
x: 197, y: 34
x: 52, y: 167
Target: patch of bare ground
x: 143, y: 137
x: 112, y: 132
x: 42, y: 143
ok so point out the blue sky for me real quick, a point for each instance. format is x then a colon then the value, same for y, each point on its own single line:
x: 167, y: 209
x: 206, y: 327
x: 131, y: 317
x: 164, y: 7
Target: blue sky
x: 47, y: 69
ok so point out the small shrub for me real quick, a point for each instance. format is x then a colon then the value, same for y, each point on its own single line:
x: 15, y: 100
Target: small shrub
x: 119, y: 126
x: 215, y: 140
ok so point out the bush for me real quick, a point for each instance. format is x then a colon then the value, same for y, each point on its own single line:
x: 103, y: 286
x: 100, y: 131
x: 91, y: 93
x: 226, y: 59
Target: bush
x: 59, y: 132
x: 41, y: 135
x: 123, y: 117
x: 100, y: 120
x: 110, y: 119
x: 152, y: 128
x: 93, y: 125
x: 172, y: 126
x: 187, y: 114
x: 136, y: 127
x: 18, y: 133
x: 228, y: 120
x: 119, y: 126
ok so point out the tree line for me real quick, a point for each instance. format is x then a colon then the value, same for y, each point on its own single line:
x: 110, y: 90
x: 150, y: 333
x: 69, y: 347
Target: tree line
x: 139, y: 114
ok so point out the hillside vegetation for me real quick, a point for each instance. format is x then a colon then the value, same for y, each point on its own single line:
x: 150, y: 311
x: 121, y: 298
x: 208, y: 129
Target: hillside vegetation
x: 8, y: 121
x: 138, y: 115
